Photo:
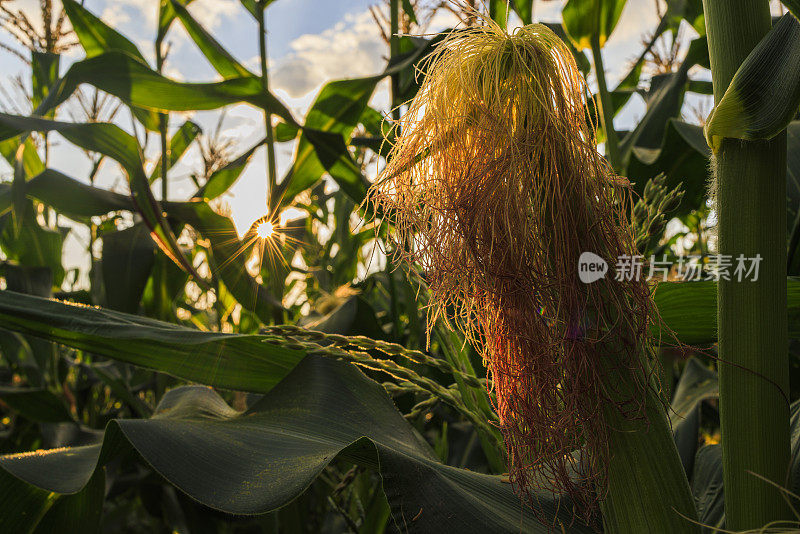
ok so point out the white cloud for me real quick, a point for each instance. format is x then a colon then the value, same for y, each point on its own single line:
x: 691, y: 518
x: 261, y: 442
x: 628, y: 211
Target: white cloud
x: 352, y: 48
x: 209, y: 13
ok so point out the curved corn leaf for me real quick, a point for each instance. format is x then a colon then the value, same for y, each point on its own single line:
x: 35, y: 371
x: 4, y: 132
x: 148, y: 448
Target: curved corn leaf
x: 764, y: 94
x: 68, y: 196
x: 219, y: 58
x: 259, y: 460
x: 96, y: 37
x: 222, y: 179
x: 333, y: 116
x: 178, y: 144
x: 110, y: 140
x: 230, y: 361
x: 229, y: 254
x: 30, y: 509
x: 588, y: 19
x: 136, y: 84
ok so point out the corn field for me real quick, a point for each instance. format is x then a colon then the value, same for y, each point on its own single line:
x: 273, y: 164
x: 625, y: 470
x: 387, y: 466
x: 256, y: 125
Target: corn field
x: 512, y: 281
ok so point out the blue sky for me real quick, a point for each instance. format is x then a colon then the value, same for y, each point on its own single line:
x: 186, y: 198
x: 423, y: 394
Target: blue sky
x: 310, y: 42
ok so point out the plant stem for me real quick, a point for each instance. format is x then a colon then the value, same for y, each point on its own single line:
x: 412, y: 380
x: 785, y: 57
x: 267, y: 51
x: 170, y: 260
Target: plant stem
x: 272, y: 179
x: 606, y: 109
x: 753, y: 347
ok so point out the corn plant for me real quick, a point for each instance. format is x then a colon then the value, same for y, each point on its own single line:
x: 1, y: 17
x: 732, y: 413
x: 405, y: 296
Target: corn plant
x: 285, y: 381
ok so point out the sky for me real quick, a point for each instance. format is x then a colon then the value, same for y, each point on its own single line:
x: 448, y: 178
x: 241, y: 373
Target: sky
x: 310, y: 42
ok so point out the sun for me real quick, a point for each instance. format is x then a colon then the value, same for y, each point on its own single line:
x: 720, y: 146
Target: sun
x: 265, y: 230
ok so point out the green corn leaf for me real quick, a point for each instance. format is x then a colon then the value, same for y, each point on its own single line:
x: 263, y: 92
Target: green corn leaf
x: 44, y: 67
x: 524, y: 9
x: 682, y: 157
x: 689, y: 309
x: 110, y: 140
x: 96, y: 37
x: 166, y: 15
x: 38, y: 405
x: 585, y: 20
x: 222, y: 179
x: 228, y: 255
x: 126, y: 264
x: 227, y: 361
x: 498, y: 12
x: 322, y: 410
x: 136, y: 84
x: 337, y: 110
x: 68, y: 196
x: 764, y: 94
x: 178, y: 144
x: 219, y: 58
x: 33, y: 246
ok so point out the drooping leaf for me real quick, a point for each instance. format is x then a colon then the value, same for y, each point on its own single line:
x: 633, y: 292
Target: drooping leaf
x: 697, y: 383
x: 683, y: 157
x: 68, y: 196
x: 97, y: 37
x: 322, y: 410
x: 764, y: 95
x: 178, y: 144
x: 707, y: 487
x: 112, y: 141
x: 223, y: 62
x: 222, y: 179
x: 128, y: 257
x: 35, y: 404
x: 125, y: 77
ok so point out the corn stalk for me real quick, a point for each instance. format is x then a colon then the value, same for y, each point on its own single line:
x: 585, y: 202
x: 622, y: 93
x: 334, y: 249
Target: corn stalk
x: 750, y: 187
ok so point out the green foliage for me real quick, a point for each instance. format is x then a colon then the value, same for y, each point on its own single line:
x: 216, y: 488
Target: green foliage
x: 193, y: 380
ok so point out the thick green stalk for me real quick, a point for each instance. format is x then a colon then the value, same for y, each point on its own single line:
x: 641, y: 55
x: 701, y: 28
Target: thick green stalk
x: 750, y: 190
x: 606, y: 109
